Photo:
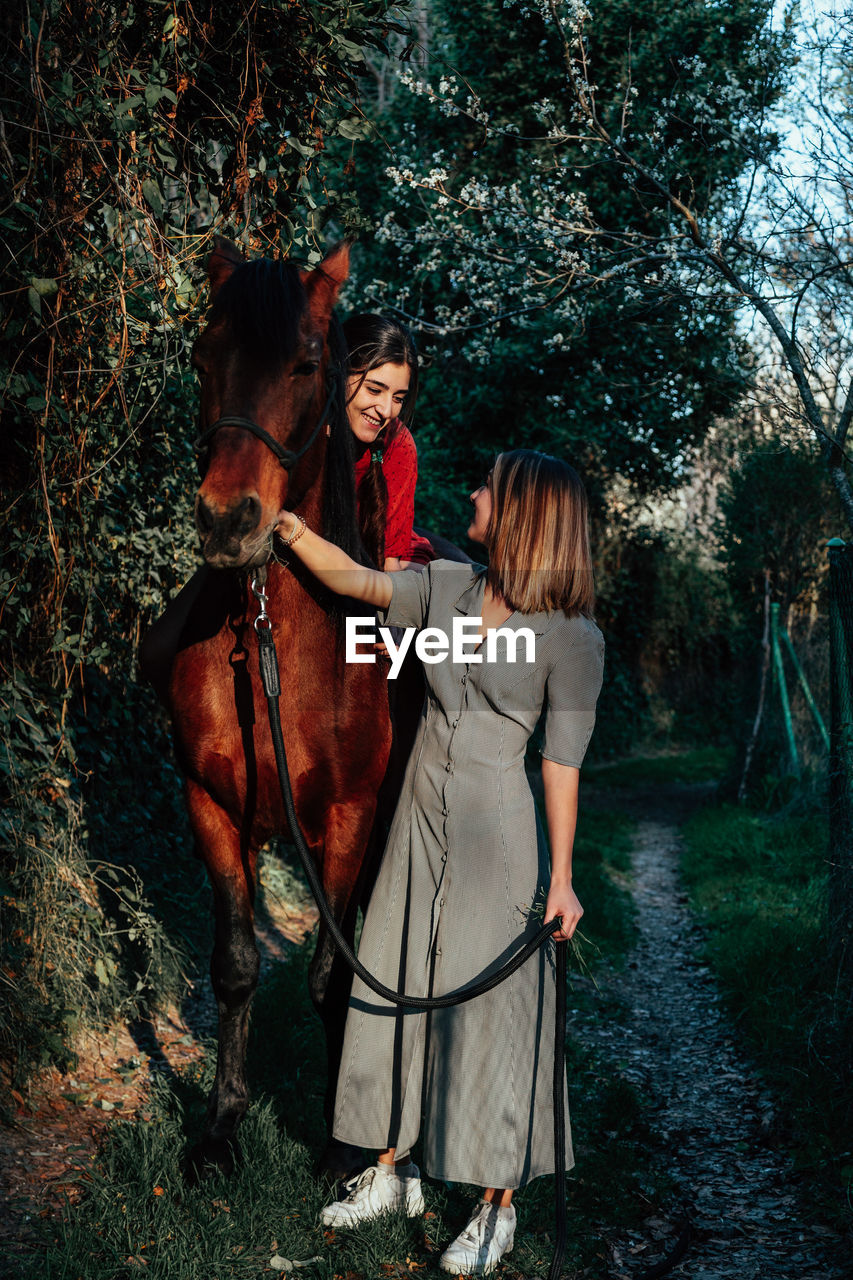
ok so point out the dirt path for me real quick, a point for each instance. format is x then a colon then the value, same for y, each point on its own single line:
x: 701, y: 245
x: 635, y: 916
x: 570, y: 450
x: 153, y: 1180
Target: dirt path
x: 676, y: 1044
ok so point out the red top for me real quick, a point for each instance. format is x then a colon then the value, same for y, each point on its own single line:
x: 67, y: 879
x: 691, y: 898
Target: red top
x: 400, y: 469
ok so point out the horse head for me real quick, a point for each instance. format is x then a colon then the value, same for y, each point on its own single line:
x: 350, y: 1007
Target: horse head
x: 263, y: 359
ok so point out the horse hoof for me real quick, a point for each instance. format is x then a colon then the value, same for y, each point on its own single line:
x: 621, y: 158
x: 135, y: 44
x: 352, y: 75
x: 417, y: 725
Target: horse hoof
x: 340, y: 1161
x: 211, y: 1156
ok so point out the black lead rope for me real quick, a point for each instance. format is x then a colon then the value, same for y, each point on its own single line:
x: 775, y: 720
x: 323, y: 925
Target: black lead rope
x: 559, y: 1117
x: 272, y: 690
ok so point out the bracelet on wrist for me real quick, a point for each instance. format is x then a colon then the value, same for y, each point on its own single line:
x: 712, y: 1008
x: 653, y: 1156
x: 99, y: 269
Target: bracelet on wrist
x: 296, y: 532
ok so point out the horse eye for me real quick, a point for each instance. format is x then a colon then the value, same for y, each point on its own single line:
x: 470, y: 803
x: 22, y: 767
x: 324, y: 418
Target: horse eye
x: 306, y: 369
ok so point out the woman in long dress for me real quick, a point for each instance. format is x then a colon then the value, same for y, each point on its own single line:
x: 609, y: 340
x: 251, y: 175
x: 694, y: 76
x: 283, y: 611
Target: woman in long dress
x: 466, y: 878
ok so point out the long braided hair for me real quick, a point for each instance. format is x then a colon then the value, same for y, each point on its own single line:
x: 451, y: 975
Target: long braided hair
x: 372, y: 341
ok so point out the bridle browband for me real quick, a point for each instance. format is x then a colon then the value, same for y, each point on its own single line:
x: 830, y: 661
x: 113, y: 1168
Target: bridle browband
x: 287, y: 457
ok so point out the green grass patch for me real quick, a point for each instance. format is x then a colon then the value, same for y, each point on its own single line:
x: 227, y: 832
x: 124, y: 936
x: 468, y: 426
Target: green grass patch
x: 140, y: 1217
x: 600, y: 868
x: 80, y: 941
x: 760, y: 884
x: 104, y: 910
x: 704, y: 764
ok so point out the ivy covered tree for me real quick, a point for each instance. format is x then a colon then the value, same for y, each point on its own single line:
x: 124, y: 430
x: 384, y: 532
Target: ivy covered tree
x: 130, y: 133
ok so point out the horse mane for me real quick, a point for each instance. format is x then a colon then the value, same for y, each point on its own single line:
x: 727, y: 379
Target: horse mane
x: 263, y: 302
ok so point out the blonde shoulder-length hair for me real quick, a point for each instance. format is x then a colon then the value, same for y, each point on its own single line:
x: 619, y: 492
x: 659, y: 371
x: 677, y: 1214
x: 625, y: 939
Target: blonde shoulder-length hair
x: 538, y: 535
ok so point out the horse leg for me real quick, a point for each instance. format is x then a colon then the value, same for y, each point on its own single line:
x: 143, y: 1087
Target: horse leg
x: 329, y: 976
x: 234, y: 974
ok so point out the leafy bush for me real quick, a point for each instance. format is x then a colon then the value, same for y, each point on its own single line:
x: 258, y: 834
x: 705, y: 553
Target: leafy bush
x: 131, y: 134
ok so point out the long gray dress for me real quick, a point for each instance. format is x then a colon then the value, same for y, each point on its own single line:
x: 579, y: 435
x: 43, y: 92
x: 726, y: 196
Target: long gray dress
x: 463, y: 881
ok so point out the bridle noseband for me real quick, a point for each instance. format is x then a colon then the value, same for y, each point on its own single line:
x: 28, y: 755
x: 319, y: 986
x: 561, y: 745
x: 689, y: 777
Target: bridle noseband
x: 287, y: 457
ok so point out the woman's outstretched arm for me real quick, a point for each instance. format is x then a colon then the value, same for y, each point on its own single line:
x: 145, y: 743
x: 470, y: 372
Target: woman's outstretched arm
x: 561, y: 809
x: 332, y: 566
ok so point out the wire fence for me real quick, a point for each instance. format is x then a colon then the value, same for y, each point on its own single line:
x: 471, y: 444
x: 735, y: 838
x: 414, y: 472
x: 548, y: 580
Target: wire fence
x: 841, y: 748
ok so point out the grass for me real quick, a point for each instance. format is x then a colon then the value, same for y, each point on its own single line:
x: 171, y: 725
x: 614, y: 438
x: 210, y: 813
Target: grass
x: 759, y: 884
x: 601, y: 864
x: 81, y: 943
x: 140, y: 1217
x: 703, y: 764
x: 103, y: 907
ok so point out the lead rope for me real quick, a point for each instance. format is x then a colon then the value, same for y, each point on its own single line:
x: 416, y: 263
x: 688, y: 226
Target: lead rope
x: 268, y: 662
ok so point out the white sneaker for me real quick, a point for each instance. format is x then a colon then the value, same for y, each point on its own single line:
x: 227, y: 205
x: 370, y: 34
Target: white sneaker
x: 378, y: 1189
x: 479, y: 1248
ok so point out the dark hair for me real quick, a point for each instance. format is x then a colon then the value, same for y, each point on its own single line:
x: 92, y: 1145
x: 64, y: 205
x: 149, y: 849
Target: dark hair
x: 372, y: 341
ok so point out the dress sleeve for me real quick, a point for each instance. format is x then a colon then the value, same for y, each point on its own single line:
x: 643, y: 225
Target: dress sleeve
x: 572, y: 691
x: 410, y: 593
x: 400, y: 469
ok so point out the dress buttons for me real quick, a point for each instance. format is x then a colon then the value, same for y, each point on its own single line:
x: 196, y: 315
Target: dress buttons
x: 464, y: 679
x: 448, y: 767
x: 444, y: 813
x: 455, y: 723
x: 444, y: 857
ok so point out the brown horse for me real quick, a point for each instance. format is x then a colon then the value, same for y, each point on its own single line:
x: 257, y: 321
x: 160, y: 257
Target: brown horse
x: 273, y: 434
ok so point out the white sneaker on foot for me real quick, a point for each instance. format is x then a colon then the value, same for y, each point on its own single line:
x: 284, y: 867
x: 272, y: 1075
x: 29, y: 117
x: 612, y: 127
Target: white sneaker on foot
x: 479, y: 1248
x: 378, y: 1189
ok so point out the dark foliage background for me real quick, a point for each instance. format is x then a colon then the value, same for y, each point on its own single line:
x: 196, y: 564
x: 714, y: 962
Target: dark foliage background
x: 130, y: 132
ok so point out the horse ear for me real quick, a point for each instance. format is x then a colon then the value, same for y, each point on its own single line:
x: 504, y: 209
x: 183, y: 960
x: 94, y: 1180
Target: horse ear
x: 224, y: 259
x: 323, y: 284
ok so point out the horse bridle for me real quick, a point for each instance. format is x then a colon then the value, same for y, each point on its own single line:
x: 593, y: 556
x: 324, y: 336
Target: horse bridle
x: 287, y: 457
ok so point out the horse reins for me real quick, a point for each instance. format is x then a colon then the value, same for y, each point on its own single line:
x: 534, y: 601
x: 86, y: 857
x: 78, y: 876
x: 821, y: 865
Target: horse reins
x: 268, y: 661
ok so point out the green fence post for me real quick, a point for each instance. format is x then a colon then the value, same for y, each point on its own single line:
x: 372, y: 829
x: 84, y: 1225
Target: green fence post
x: 783, y: 689
x: 804, y: 685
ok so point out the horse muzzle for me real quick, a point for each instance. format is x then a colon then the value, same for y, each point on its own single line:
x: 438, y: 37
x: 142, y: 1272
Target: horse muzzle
x: 231, y: 536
